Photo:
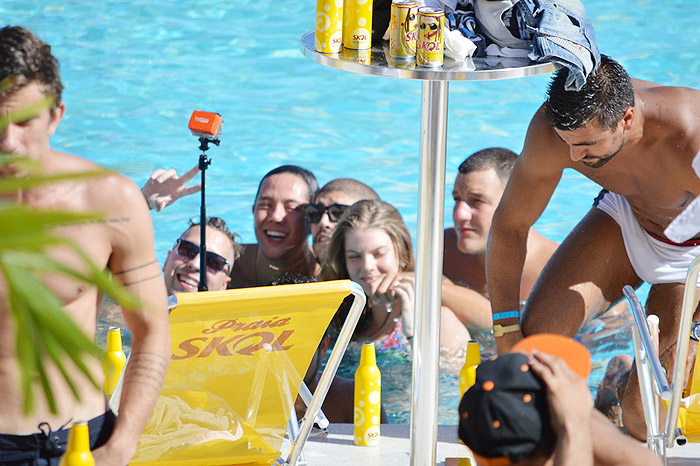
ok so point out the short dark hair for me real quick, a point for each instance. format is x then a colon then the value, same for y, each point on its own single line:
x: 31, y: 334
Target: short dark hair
x: 497, y: 158
x: 607, y: 94
x: 24, y: 59
x: 302, y: 173
x: 353, y: 188
x: 219, y: 224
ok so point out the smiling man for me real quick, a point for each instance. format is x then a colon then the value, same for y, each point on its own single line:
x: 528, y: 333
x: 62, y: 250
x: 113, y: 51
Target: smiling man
x: 280, y: 229
x: 181, y: 267
x: 638, y: 141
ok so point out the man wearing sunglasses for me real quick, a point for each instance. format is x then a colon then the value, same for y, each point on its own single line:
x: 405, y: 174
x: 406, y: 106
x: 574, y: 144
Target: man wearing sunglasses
x: 330, y: 204
x: 181, y: 267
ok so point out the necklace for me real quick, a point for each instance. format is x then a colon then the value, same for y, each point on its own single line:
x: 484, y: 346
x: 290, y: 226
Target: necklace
x: 389, y: 310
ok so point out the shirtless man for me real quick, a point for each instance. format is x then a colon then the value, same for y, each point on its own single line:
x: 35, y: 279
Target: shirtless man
x: 330, y: 203
x: 477, y: 191
x: 637, y: 140
x: 280, y: 229
x: 181, y: 267
x: 123, y: 244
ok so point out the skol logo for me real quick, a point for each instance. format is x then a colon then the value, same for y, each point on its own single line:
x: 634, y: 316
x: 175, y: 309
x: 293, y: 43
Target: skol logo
x: 429, y: 46
x: 359, y: 37
x: 247, y: 340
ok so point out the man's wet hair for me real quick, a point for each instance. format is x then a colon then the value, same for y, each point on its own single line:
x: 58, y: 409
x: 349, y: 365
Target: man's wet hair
x: 497, y: 158
x: 304, y: 174
x: 24, y: 59
x: 607, y: 94
x: 219, y: 224
x: 349, y: 186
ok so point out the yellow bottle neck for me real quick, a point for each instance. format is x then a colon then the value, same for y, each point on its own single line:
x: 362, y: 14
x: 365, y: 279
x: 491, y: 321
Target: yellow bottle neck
x: 368, y: 356
x: 114, y: 340
x: 79, y: 438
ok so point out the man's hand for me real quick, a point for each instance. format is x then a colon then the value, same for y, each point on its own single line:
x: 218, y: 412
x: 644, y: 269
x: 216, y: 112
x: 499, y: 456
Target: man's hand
x: 570, y: 409
x: 164, y: 187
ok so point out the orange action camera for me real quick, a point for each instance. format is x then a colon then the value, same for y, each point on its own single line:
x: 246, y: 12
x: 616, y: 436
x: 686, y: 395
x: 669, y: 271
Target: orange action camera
x: 206, y: 124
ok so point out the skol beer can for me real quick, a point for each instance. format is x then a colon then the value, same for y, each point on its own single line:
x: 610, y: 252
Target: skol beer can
x: 430, y: 46
x: 329, y: 26
x: 357, y: 24
x: 403, y: 29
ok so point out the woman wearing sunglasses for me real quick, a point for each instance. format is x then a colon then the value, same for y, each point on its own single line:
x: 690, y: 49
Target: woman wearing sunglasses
x: 371, y: 246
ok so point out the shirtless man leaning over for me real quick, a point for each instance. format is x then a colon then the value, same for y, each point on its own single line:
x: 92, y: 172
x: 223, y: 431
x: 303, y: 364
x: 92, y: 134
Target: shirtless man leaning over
x: 637, y: 140
x: 123, y: 244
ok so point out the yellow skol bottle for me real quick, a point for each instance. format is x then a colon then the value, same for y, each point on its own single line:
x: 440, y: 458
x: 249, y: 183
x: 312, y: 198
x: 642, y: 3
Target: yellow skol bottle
x: 113, y: 360
x: 467, y: 376
x: 368, y: 398
x: 78, y: 451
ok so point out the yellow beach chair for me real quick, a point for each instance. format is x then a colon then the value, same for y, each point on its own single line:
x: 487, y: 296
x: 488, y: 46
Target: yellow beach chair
x: 238, y: 360
x: 682, y: 404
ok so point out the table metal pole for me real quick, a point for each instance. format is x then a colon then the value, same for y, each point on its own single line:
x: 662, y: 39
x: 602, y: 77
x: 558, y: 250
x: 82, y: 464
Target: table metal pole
x: 426, y: 349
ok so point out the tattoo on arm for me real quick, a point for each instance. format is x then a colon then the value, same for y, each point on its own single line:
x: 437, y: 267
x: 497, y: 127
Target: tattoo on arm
x: 146, y: 368
x: 155, y: 261
x: 143, y: 279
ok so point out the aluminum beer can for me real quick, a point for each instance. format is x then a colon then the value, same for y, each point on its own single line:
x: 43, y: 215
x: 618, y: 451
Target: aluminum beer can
x: 357, y: 24
x: 329, y: 26
x: 430, y: 46
x: 403, y: 29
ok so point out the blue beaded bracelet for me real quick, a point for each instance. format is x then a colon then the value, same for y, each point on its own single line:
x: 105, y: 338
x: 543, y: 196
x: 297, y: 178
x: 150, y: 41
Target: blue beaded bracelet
x: 505, y: 315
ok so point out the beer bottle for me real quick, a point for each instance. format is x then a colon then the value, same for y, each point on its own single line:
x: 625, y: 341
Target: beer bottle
x: 113, y: 360
x: 467, y: 375
x: 368, y: 398
x: 78, y: 452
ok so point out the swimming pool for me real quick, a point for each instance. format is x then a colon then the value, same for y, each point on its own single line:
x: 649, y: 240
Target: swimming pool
x: 135, y: 71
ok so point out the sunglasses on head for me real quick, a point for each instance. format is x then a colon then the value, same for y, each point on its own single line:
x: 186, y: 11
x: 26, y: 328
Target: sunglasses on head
x: 188, y: 251
x: 314, y: 212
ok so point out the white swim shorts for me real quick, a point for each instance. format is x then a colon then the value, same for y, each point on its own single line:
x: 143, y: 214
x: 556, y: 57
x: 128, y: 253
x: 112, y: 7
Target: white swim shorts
x: 655, y: 261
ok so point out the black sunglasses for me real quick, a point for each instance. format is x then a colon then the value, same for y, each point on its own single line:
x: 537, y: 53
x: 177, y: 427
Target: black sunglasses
x: 188, y: 251
x: 314, y: 212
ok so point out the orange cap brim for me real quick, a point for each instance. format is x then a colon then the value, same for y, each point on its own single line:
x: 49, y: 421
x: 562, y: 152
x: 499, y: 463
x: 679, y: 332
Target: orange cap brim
x: 573, y: 352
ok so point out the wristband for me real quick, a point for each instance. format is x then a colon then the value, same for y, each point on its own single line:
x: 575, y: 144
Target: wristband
x: 500, y: 330
x: 505, y: 315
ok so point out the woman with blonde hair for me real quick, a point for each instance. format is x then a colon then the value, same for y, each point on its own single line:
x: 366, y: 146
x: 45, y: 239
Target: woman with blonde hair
x: 372, y: 246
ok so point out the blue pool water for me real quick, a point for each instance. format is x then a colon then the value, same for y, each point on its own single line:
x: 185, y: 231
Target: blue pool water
x: 134, y: 72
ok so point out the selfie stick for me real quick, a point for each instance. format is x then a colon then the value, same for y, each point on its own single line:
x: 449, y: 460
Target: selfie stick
x: 207, y: 126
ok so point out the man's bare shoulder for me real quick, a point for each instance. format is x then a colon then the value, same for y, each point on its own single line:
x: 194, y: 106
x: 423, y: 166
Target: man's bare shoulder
x: 106, y: 192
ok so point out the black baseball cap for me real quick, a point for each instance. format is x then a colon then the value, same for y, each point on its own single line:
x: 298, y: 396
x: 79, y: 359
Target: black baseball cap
x: 504, y: 416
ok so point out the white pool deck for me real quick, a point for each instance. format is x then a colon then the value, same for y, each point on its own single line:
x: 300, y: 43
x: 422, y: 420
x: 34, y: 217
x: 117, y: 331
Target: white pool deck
x: 337, y: 448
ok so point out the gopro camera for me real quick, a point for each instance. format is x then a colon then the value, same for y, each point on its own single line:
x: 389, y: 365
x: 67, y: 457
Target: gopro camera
x: 206, y: 125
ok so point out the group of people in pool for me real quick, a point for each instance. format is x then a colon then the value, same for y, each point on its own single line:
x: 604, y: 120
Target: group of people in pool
x: 356, y: 236
x: 637, y: 139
